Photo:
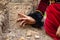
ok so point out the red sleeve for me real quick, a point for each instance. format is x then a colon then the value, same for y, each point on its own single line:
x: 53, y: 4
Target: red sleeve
x: 43, y: 5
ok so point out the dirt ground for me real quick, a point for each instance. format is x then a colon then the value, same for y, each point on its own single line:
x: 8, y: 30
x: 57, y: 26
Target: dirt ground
x: 11, y: 29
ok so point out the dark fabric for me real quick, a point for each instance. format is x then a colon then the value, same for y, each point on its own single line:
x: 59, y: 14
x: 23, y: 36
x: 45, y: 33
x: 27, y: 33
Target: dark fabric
x: 57, y: 0
x: 38, y: 17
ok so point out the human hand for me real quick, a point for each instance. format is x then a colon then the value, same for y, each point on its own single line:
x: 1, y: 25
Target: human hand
x: 24, y: 19
x: 58, y: 32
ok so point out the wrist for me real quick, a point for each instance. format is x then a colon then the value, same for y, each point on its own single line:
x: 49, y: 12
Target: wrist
x: 32, y: 21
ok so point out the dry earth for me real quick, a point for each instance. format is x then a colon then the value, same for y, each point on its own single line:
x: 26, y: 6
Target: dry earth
x: 10, y: 29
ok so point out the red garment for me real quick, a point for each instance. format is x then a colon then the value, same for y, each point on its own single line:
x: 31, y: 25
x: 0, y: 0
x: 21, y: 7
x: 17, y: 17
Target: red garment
x: 43, y: 5
x: 52, y: 21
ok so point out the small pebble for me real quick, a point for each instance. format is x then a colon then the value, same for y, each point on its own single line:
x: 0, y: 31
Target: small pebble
x: 7, y: 39
x: 29, y: 34
x: 37, y: 37
x: 16, y: 7
x: 22, y: 38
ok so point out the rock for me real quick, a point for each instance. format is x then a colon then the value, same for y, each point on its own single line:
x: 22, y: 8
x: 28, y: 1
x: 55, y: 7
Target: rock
x: 16, y: 7
x: 37, y: 36
x: 22, y: 38
x: 0, y: 12
x: 29, y: 33
x: 7, y: 39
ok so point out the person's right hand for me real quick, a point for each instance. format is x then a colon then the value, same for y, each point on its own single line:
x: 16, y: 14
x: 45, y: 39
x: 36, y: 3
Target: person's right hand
x: 25, y: 19
x: 58, y: 32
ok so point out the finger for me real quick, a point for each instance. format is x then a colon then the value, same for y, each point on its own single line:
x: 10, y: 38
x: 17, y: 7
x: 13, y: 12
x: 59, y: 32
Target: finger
x: 22, y: 15
x: 58, y: 34
x: 21, y: 19
x: 22, y: 23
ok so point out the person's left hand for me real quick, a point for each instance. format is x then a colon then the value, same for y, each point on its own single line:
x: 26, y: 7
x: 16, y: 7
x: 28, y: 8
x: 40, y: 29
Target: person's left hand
x: 58, y: 32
